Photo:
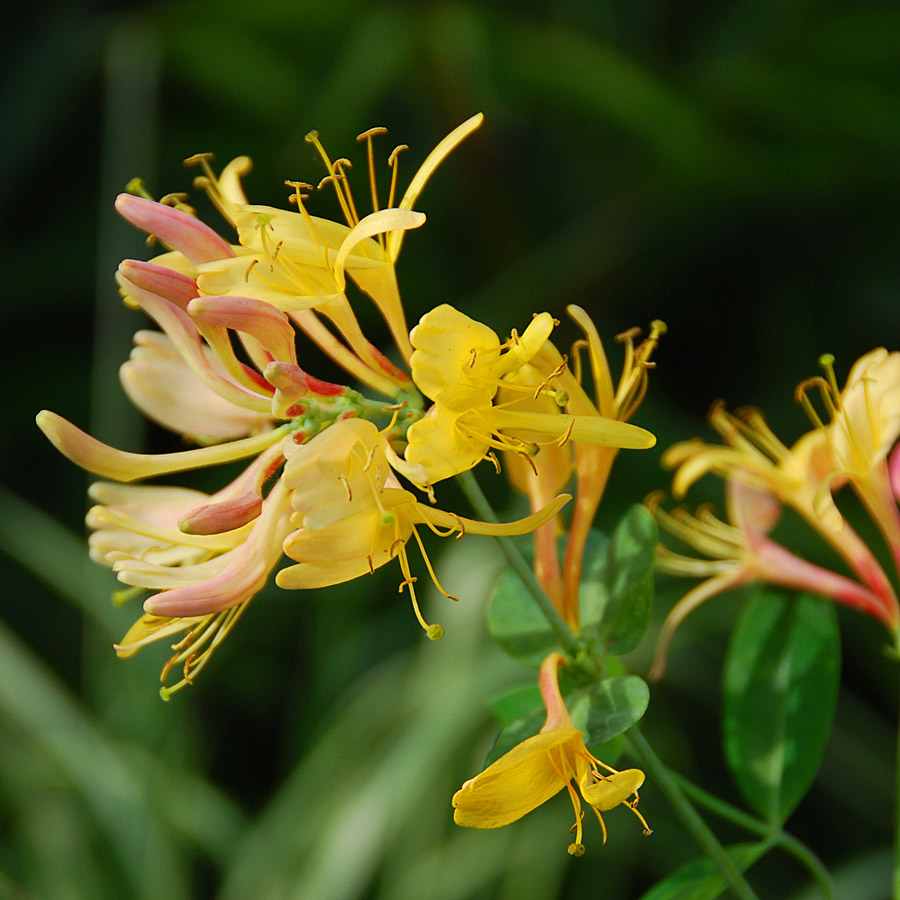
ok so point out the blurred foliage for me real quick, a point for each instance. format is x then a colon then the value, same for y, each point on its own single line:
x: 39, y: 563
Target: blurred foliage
x: 728, y: 167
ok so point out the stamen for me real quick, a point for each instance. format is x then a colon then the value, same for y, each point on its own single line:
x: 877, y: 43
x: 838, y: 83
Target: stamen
x: 392, y: 162
x: 801, y: 398
x: 826, y: 361
x: 346, y: 482
x: 430, y: 568
x: 340, y: 189
x: 373, y: 181
x: 179, y: 202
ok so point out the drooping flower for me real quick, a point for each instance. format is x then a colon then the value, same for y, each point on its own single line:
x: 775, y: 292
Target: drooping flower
x: 740, y: 552
x: 540, y: 767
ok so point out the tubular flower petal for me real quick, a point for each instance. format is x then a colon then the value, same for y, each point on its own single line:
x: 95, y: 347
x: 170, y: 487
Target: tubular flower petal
x: 741, y: 552
x: 107, y: 462
x: 540, y: 767
x: 198, y: 242
x: 159, y: 507
x: 164, y: 388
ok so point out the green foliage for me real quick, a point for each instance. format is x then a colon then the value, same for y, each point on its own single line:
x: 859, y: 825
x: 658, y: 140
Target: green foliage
x: 700, y: 880
x: 616, y: 596
x: 628, y: 582
x: 780, y: 690
x: 517, y: 624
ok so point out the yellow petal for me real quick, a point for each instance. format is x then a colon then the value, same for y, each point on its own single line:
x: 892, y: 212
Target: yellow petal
x: 592, y: 429
x: 519, y: 526
x: 106, y: 461
x: 610, y: 790
x: 427, y: 169
x: 514, y: 785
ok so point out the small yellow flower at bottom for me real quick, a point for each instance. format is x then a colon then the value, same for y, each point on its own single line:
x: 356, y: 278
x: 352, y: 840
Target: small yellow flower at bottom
x: 540, y: 767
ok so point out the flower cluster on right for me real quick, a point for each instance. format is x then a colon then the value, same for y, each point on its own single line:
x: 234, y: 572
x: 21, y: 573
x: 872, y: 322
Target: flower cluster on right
x: 852, y: 444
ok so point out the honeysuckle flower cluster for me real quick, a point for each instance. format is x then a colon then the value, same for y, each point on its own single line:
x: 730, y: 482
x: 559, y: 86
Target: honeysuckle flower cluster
x: 852, y: 443
x: 336, y: 480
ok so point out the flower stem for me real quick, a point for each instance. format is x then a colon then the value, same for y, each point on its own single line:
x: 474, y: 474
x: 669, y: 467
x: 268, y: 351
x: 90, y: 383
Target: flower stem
x: 782, y: 839
x: 700, y: 831
x: 485, y: 511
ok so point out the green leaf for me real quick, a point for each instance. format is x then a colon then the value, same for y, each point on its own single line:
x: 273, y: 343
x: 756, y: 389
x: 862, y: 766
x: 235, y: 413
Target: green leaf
x: 700, y: 879
x: 517, y: 624
x: 593, y: 595
x: 780, y: 689
x: 629, y: 581
x: 609, y: 708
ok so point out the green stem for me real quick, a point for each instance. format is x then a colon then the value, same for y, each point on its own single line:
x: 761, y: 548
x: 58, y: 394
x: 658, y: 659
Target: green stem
x: 700, y: 831
x: 782, y: 839
x: 485, y: 511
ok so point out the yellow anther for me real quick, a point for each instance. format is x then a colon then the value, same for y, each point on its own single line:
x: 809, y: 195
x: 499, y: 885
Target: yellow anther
x: 137, y: 187
x: 392, y: 159
x: 334, y: 179
x: 371, y: 133
x: 629, y: 334
x: 199, y: 158
x: 343, y: 162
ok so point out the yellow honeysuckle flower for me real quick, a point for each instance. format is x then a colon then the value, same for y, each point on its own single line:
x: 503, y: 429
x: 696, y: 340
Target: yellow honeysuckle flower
x: 352, y: 515
x: 803, y: 477
x: 540, y: 767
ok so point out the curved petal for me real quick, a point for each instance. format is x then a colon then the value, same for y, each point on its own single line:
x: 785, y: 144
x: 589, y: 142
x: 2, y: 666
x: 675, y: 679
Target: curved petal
x: 514, y: 785
x: 107, y: 462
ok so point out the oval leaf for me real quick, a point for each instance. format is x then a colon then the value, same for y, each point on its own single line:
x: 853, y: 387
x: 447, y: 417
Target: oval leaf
x: 780, y: 689
x: 610, y: 707
x: 517, y: 624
